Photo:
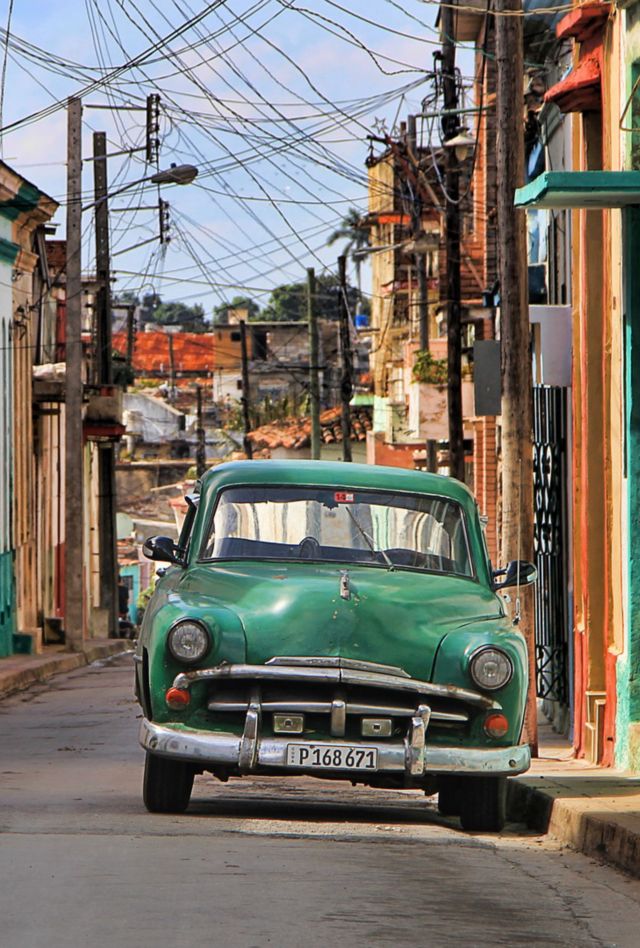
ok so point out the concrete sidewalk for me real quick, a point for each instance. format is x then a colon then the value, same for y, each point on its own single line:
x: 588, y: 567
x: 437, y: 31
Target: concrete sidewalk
x: 19, y: 672
x: 594, y: 810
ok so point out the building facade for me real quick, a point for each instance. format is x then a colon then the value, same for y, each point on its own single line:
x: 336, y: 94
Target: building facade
x: 600, y: 188
x: 24, y: 210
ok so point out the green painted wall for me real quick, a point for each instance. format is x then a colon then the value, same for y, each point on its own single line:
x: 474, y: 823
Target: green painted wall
x: 628, y: 677
x: 25, y: 200
x: 6, y: 604
x: 627, y: 751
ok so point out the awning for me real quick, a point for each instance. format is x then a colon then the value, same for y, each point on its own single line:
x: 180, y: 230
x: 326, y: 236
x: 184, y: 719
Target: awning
x: 580, y: 189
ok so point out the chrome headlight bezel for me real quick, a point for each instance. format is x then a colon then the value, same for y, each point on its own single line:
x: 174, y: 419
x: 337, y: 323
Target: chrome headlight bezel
x: 483, y: 653
x: 171, y: 646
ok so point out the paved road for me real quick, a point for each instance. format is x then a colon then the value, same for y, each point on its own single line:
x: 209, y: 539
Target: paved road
x: 285, y: 864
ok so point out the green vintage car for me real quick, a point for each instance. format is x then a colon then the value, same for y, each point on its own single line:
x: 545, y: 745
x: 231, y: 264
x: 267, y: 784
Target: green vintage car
x: 336, y: 620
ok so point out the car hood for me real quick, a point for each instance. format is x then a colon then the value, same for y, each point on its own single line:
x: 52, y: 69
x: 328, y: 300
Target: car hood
x: 394, y: 617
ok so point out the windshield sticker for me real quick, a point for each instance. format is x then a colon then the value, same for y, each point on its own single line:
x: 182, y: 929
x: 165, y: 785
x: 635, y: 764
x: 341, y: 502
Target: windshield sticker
x: 343, y: 497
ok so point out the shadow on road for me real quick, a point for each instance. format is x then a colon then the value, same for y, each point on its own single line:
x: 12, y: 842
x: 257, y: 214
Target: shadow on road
x: 324, y: 804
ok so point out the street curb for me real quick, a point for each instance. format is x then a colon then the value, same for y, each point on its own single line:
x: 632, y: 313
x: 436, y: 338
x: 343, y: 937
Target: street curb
x: 599, y: 835
x: 19, y: 679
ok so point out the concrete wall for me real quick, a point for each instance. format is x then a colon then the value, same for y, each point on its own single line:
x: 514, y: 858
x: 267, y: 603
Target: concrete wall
x: 328, y: 452
x: 551, y: 344
x: 158, y: 421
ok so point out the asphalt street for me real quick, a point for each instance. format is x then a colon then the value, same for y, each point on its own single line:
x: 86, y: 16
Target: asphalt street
x: 253, y: 862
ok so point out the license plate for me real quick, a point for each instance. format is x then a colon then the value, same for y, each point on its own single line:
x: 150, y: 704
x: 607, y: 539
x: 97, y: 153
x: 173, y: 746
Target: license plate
x: 332, y: 757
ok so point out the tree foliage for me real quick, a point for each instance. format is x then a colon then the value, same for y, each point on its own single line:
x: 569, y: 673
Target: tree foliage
x: 189, y: 318
x: 151, y: 309
x: 288, y: 302
x: 357, y: 237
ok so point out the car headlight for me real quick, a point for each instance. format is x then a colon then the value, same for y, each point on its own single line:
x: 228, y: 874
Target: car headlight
x: 188, y: 641
x: 490, y: 668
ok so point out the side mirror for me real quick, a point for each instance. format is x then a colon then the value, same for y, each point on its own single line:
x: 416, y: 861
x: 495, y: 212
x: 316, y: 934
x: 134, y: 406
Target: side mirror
x: 517, y: 571
x: 162, y: 548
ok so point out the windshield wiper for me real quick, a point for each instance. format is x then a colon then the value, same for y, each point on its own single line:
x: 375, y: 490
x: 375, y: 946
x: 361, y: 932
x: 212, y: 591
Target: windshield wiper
x: 370, y: 542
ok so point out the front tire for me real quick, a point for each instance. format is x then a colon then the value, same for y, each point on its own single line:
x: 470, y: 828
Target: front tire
x: 450, y: 793
x: 483, y: 804
x: 167, y: 784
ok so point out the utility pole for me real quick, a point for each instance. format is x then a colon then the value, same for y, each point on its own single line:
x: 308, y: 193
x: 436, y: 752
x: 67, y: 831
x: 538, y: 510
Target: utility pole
x: 346, y: 383
x: 107, y: 533
x: 420, y: 258
x: 201, y: 457
x: 432, y: 456
x: 314, y: 382
x: 74, y: 620
x: 172, y: 369
x: 452, y: 230
x: 131, y: 334
x: 517, y: 385
x: 248, y: 447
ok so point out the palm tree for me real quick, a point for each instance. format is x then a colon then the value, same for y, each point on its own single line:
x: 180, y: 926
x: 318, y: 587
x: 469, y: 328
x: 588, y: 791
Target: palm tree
x: 356, y: 233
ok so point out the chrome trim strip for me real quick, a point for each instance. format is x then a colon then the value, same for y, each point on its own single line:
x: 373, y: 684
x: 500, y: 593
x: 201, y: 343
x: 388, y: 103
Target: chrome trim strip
x: 335, y: 661
x: 215, y: 748
x: 324, y: 707
x: 336, y: 676
x: 293, y: 707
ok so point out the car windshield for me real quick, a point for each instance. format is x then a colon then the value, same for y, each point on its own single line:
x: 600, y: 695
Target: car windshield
x: 346, y: 525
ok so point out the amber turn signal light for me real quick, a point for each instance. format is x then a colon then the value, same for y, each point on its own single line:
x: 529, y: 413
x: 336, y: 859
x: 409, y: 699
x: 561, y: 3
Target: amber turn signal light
x: 496, y: 724
x: 177, y: 698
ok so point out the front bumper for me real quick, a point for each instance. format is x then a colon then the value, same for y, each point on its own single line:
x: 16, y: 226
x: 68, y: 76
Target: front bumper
x: 252, y: 753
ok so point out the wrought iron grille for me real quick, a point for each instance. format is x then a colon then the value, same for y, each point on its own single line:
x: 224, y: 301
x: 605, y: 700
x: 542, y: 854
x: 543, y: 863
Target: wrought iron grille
x: 550, y: 532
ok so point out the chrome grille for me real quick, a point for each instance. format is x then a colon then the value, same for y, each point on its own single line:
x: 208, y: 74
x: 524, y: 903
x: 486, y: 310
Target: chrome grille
x: 304, y: 701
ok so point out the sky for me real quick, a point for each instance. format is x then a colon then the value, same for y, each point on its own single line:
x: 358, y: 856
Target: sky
x: 271, y: 99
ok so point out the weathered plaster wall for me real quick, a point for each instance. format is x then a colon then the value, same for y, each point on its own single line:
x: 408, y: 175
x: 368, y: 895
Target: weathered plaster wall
x: 7, y: 594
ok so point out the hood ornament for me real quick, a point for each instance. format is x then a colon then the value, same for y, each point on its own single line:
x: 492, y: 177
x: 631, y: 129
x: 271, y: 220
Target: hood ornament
x: 345, y: 587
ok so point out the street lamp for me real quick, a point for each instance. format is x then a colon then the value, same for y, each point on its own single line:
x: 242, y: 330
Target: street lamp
x: 462, y: 144
x: 174, y: 174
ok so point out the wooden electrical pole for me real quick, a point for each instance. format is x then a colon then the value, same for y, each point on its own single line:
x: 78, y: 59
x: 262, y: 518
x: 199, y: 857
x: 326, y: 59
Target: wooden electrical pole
x: 420, y: 257
x: 107, y: 532
x: 74, y: 617
x: 172, y: 369
x: 452, y: 230
x: 517, y: 384
x: 131, y: 334
x: 201, y: 455
x: 346, y: 382
x: 314, y: 382
x: 248, y: 447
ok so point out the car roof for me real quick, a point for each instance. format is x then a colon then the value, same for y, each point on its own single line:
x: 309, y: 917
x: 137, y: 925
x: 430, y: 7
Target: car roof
x: 334, y: 474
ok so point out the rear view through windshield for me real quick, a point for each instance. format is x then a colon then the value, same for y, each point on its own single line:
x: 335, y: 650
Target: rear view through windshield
x: 412, y: 531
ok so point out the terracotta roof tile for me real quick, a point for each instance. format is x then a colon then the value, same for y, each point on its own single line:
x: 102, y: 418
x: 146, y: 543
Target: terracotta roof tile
x: 296, y: 432
x: 192, y: 351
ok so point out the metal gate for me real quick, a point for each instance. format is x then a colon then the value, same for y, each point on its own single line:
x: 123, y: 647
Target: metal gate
x: 550, y: 541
